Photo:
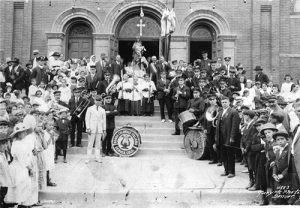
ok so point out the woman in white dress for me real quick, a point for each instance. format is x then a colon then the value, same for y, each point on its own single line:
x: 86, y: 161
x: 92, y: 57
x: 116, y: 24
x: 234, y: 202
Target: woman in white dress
x: 21, y: 168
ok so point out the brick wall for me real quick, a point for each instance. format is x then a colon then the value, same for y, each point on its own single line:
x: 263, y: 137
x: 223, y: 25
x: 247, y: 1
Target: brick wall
x: 254, y: 44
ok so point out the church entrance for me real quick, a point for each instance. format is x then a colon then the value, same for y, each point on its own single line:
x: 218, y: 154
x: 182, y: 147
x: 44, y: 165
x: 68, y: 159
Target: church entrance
x: 80, y: 40
x: 201, y: 39
x: 128, y: 31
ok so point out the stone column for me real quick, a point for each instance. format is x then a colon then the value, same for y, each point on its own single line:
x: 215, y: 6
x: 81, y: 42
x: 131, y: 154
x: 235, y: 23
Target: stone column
x: 226, y: 46
x: 179, y: 49
x: 103, y: 43
x: 55, y: 42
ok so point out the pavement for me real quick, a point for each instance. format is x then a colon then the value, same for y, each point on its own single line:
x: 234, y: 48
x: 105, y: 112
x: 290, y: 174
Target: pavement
x: 141, y: 181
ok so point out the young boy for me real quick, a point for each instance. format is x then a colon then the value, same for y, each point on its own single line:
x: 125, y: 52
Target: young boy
x: 63, y: 125
x: 111, y: 112
x: 5, y: 177
x: 280, y: 169
x: 32, y: 89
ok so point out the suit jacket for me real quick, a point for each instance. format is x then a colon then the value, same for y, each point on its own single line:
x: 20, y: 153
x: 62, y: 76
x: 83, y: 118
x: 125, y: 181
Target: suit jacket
x: 228, y: 127
x: 95, y: 120
x: 39, y: 74
x: 233, y: 84
x: 19, y: 81
x: 27, y: 77
x: 249, y: 134
x: 116, y: 68
x: 94, y: 83
x: 101, y: 69
x: 282, y: 162
x: 183, y: 98
x: 63, y: 125
x: 110, y: 116
x: 73, y: 105
x: 262, y: 78
x: 160, y: 86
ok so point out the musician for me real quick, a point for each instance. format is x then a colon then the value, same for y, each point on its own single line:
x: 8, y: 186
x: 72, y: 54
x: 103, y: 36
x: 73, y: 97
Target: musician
x: 124, y: 89
x: 104, y: 84
x: 181, y: 95
x: 227, y: 135
x: 212, y: 110
x: 202, y: 86
x: 232, y: 82
x: 93, y: 81
x: 164, y: 97
x: 111, y: 112
x: 57, y: 96
x: 76, y: 107
x: 96, y: 127
x: 148, y: 90
x: 195, y: 79
x: 195, y: 106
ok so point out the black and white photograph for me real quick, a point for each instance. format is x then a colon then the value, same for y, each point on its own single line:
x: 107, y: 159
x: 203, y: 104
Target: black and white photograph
x: 149, y: 103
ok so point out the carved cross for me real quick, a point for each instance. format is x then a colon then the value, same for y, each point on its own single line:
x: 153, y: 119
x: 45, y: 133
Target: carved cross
x: 141, y: 25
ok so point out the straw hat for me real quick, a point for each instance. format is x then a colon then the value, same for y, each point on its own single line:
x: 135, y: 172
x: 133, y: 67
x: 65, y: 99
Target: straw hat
x: 20, y: 127
x: 268, y: 126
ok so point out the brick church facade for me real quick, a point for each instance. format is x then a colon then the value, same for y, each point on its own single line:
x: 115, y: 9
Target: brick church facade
x: 253, y: 32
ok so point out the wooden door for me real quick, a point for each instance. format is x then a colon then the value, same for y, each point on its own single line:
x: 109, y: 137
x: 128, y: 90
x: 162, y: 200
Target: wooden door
x: 80, y: 47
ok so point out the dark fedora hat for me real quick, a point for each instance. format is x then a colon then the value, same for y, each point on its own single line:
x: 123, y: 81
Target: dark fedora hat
x: 15, y: 60
x: 258, y: 68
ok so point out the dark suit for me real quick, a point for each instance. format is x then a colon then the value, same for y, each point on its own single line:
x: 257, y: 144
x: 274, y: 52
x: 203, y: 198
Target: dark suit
x: 249, y: 135
x: 227, y: 129
x: 164, y: 98
x: 19, y: 81
x: 116, y: 68
x: 27, y: 78
x: 262, y: 78
x: 39, y: 74
x: 75, y: 121
x: 93, y: 83
x: 110, y: 126
x: 101, y: 69
x: 180, y: 104
x: 233, y: 84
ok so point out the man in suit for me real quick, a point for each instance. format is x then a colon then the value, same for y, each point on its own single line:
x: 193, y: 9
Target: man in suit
x: 76, y: 122
x: 161, y: 66
x: 232, y: 82
x: 39, y: 72
x: 27, y: 71
x: 117, y: 66
x: 181, y: 95
x: 14, y: 74
x: 95, y: 120
x: 249, y: 134
x: 196, y: 77
x: 153, y: 69
x: 164, y: 97
x: 260, y: 76
x: 227, y: 135
x: 101, y: 66
x: 205, y: 63
x: 93, y: 81
x: 56, y: 102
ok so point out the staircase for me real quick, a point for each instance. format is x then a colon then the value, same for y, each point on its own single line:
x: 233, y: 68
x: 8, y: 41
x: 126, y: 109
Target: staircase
x: 156, y: 137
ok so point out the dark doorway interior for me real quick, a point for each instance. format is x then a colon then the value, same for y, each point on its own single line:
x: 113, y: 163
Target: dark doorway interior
x: 196, y: 48
x: 125, y: 49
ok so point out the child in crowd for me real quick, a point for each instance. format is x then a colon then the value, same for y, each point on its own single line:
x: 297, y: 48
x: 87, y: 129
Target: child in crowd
x: 63, y: 125
x: 32, y: 89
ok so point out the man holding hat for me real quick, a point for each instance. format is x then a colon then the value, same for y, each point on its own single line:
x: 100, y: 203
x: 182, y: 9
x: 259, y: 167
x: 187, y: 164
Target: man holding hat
x: 39, y: 72
x: 260, y: 76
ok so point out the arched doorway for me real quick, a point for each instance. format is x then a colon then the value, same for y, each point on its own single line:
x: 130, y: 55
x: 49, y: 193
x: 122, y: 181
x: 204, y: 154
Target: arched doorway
x: 127, y: 32
x: 79, y: 39
x: 201, y: 39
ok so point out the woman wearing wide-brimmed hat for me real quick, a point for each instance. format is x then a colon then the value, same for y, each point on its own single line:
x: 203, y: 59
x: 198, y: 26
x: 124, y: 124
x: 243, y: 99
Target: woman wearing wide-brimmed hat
x: 21, y: 167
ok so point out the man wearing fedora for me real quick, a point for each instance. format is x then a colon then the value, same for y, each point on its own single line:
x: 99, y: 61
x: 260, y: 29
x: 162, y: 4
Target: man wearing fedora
x: 14, y: 74
x: 101, y: 66
x: 260, y: 76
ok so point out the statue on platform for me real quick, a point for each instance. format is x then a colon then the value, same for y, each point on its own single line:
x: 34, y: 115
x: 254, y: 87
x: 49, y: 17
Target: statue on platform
x: 139, y: 63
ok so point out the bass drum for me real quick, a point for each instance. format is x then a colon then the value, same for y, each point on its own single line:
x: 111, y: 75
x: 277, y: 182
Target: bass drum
x: 195, y: 143
x: 126, y: 141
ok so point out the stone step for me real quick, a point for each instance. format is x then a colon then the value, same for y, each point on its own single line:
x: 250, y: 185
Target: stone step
x: 164, y: 150
x: 145, y: 123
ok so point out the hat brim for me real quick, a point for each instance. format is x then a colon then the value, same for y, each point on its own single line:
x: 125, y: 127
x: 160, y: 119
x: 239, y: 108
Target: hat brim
x: 285, y: 135
x: 21, y: 130
x: 262, y: 130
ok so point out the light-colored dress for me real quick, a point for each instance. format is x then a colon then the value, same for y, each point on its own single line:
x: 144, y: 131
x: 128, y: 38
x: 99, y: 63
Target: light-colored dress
x: 49, y: 151
x: 21, y: 187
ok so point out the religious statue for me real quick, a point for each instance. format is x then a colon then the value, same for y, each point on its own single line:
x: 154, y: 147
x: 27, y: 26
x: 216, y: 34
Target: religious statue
x: 139, y: 63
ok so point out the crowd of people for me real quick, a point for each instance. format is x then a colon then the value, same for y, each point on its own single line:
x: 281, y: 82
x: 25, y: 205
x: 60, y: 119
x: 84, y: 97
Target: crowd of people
x: 254, y: 122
